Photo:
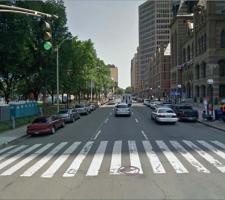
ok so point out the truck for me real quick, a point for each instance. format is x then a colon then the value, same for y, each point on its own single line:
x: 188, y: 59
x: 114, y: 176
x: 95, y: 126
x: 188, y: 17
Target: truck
x: 127, y: 98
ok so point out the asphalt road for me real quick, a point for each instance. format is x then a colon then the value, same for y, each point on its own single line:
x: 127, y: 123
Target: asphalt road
x: 106, y: 157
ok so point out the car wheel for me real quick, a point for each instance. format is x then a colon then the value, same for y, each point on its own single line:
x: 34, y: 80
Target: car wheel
x: 63, y: 125
x: 53, y: 130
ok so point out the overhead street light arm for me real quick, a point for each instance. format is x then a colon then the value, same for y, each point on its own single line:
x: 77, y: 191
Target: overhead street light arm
x: 26, y: 11
x: 18, y: 12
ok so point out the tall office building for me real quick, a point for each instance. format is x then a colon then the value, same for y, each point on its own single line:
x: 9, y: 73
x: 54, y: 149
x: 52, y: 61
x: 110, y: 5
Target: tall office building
x: 154, y: 31
x: 114, y: 74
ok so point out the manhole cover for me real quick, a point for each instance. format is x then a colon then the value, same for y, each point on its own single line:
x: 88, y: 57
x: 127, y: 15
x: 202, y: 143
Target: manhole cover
x: 129, y: 170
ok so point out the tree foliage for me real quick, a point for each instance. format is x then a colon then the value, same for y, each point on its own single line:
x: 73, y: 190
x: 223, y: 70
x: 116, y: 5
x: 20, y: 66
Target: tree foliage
x: 27, y: 70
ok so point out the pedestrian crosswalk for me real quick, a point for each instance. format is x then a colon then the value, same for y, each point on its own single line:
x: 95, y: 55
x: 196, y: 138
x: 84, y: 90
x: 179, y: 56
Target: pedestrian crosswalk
x: 66, y: 159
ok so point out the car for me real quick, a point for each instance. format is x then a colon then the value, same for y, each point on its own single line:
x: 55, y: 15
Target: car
x: 45, y: 125
x: 92, y: 106
x: 164, y: 114
x: 153, y: 104
x: 69, y: 115
x: 146, y: 102
x: 165, y: 104
x: 82, y: 109
x: 186, y: 113
x: 122, y: 109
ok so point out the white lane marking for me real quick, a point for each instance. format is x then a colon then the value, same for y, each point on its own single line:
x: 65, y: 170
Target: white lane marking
x: 145, y: 136
x: 176, y: 164
x: 206, y: 156
x: 7, y: 148
x: 153, y: 158
x: 221, y: 145
x: 18, y: 156
x: 73, y: 168
x: 26, y: 160
x: 134, y: 157
x: 97, y: 160
x: 136, y: 120
x: 12, y: 151
x: 116, y: 158
x: 97, y: 134
x: 33, y: 169
x: 191, y: 159
x: 60, y: 160
x: 107, y: 119
x: 212, y: 148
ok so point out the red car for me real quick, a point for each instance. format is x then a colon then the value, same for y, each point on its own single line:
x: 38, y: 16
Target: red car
x: 43, y: 125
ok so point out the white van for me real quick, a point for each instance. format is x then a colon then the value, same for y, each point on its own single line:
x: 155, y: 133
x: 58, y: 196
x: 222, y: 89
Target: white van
x: 126, y: 98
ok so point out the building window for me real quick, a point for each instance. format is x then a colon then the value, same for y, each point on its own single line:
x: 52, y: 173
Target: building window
x: 197, y: 72
x: 222, y: 40
x: 222, y: 67
x: 188, y: 53
x: 222, y: 91
x: 203, y: 70
x: 184, y: 55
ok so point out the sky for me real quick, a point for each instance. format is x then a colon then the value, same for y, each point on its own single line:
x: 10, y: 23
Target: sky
x: 113, y: 27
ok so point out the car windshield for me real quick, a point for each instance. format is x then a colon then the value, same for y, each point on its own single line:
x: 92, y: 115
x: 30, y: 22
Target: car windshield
x: 165, y: 111
x: 40, y: 120
x: 63, y: 112
x: 185, y: 107
x: 122, y: 106
x: 79, y: 106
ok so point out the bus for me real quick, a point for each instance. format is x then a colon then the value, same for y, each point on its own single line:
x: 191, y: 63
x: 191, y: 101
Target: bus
x: 126, y: 98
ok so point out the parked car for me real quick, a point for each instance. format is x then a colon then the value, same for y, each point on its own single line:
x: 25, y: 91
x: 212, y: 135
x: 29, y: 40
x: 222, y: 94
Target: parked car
x: 185, y: 113
x: 146, y: 102
x: 69, y: 115
x: 46, y: 124
x: 82, y: 109
x: 153, y: 104
x: 92, y: 106
x: 163, y: 114
x: 122, y: 109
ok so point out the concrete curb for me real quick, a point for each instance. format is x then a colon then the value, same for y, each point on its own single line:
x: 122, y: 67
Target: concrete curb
x: 14, y: 140
x: 209, y: 125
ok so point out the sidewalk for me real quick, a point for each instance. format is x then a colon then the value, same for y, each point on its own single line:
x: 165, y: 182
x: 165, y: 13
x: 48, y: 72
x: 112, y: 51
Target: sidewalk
x: 12, y: 135
x: 218, y: 124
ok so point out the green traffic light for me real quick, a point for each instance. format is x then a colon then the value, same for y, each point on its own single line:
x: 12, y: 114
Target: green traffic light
x: 47, y: 45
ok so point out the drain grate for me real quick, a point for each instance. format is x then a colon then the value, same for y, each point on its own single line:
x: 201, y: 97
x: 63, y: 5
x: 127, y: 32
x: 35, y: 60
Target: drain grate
x: 129, y: 170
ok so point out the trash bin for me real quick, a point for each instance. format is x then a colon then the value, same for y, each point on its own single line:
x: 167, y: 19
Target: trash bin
x: 218, y: 114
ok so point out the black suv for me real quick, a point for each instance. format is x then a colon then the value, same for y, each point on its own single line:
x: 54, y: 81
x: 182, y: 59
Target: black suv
x: 185, y: 112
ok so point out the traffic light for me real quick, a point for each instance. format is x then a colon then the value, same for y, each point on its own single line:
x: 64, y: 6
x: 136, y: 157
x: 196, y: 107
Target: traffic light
x: 46, y: 35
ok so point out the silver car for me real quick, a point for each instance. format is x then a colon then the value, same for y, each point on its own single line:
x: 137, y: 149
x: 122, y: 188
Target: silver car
x: 69, y: 115
x: 122, y: 109
x: 82, y: 109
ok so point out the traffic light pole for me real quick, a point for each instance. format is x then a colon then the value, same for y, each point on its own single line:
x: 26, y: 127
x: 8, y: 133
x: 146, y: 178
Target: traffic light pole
x: 57, y: 76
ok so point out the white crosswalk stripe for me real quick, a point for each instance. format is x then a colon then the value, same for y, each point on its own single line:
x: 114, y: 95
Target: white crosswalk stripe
x: 176, y: 164
x: 26, y: 160
x: 212, y: 148
x: 221, y: 145
x: 12, y: 152
x: 43, y: 160
x: 206, y: 156
x: 32, y: 158
x: 97, y: 160
x: 18, y: 156
x: 116, y: 158
x: 153, y: 158
x: 7, y: 148
x: 189, y: 157
x: 73, y: 168
x: 60, y: 160
x: 134, y: 157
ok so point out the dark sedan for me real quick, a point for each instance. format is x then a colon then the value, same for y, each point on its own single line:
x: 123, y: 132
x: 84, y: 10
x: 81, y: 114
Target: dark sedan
x: 185, y: 112
x: 44, y: 125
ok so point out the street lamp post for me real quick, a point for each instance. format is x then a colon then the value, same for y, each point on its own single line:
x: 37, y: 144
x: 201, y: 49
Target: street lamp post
x: 180, y: 92
x: 210, y: 83
x: 57, y: 69
x: 159, y: 92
